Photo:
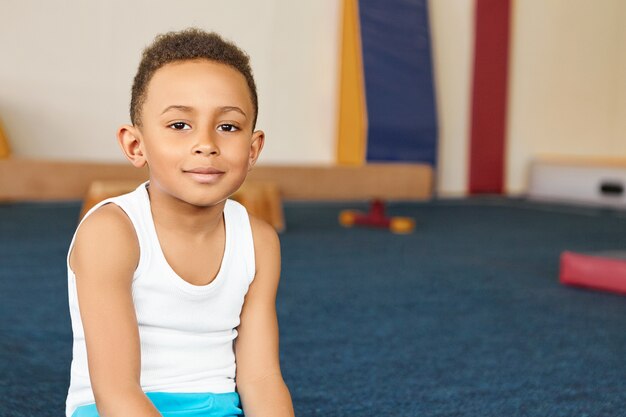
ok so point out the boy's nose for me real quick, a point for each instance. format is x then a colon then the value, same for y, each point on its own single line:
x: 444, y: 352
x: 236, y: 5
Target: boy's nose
x: 206, y: 145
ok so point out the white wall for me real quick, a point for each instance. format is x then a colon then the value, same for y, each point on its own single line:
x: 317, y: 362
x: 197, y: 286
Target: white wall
x: 567, y: 84
x: 67, y: 67
x: 452, y: 34
x: 567, y: 91
x: 620, y: 128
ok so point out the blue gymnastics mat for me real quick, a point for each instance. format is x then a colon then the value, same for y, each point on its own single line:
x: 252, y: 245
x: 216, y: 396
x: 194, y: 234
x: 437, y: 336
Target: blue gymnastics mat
x: 464, y: 317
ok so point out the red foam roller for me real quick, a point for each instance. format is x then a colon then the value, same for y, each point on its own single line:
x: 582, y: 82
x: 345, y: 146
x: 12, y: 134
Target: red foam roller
x: 600, y: 272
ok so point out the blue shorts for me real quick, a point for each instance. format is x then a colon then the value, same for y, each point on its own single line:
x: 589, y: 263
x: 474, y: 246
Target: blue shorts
x: 184, y: 405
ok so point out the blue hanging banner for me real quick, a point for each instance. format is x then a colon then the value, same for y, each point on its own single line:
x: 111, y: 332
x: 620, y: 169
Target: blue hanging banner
x: 398, y: 81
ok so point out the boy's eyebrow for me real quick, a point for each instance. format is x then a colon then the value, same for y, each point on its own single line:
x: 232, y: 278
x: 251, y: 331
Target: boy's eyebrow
x: 178, y: 107
x: 188, y: 109
x: 225, y: 109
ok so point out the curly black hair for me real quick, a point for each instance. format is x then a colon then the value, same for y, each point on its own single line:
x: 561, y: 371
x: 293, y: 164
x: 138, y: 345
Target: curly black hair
x: 188, y: 44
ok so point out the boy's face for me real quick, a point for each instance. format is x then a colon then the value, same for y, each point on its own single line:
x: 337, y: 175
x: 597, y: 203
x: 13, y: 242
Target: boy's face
x: 196, y: 131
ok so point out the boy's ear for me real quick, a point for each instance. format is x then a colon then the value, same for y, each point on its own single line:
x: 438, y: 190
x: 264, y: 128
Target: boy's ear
x: 130, y: 140
x: 258, y: 140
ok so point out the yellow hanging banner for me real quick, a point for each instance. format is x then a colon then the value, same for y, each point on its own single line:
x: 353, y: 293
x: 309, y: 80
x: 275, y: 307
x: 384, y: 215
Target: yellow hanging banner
x: 352, y: 132
x: 5, y: 150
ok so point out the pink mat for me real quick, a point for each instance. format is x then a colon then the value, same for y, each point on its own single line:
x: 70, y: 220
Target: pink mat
x: 603, y: 271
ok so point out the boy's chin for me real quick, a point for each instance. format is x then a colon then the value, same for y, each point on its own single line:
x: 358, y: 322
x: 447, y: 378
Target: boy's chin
x: 203, y: 200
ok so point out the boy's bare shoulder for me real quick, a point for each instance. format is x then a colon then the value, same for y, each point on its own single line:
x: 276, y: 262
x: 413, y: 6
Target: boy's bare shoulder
x: 105, y: 237
x: 107, y: 222
x: 266, y: 244
x: 264, y: 234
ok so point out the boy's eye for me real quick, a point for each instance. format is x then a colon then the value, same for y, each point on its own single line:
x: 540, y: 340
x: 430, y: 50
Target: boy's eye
x: 227, y: 127
x: 180, y: 126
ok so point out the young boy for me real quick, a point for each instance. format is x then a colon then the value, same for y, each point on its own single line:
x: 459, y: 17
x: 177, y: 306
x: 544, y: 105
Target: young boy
x: 172, y: 287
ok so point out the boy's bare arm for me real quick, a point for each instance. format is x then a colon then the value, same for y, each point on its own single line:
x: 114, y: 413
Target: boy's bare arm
x: 104, y: 258
x: 259, y: 380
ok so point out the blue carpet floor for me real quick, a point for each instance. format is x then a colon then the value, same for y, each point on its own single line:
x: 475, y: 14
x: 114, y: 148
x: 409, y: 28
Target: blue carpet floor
x: 465, y: 317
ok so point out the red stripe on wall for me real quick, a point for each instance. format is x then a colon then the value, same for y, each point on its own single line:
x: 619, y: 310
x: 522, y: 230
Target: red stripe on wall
x: 489, y: 96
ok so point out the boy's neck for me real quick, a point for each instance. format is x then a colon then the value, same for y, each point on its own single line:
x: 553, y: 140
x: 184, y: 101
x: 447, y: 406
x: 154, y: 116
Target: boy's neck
x: 184, y: 218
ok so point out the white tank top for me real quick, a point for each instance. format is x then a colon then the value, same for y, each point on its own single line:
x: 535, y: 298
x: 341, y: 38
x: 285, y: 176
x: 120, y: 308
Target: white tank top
x: 186, y: 331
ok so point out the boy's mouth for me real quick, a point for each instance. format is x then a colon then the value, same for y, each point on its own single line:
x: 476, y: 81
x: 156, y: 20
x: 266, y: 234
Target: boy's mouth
x: 208, y: 170
x: 204, y: 175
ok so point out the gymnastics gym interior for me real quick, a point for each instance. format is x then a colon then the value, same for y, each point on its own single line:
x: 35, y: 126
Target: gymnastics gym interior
x: 446, y: 176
